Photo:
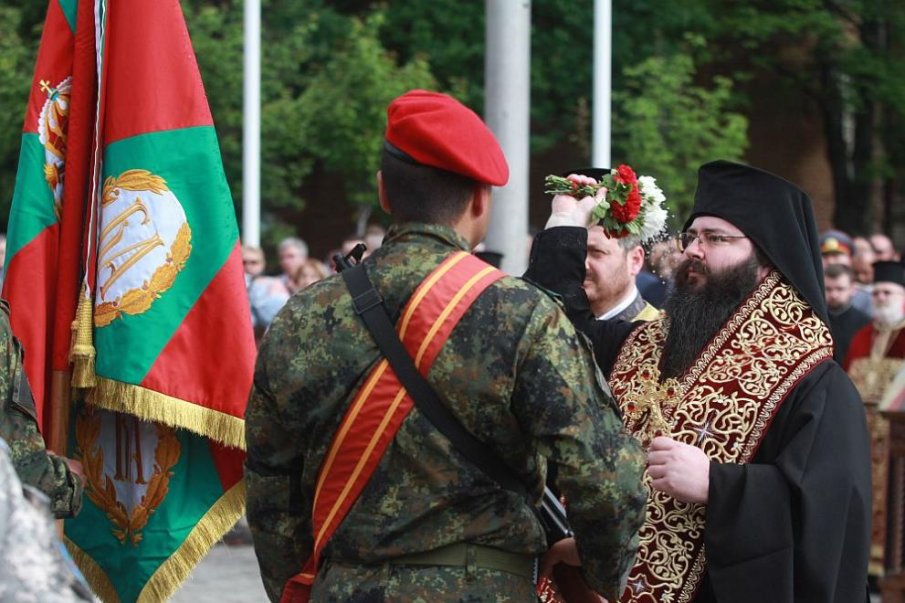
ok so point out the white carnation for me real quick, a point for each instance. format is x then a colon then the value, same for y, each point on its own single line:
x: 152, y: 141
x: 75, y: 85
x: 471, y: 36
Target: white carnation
x: 654, y: 222
x: 650, y: 192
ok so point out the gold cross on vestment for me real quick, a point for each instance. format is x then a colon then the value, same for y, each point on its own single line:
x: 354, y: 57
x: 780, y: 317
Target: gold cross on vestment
x: 650, y: 405
x: 45, y: 87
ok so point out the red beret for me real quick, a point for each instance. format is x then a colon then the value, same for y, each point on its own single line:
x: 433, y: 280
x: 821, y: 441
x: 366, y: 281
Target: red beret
x: 437, y: 130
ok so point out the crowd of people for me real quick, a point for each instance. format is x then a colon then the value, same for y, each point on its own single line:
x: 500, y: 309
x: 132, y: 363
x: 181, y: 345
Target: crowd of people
x: 267, y: 294
x: 706, y: 406
x: 686, y: 407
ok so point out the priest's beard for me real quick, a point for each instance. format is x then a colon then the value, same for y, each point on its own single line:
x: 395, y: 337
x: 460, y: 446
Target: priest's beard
x: 887, y: 315
x: 696, y: 315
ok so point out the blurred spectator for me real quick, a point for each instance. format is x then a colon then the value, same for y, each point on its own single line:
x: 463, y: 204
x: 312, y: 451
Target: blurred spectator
x: 845, y: 319
x: 292, y: 253
x: 266, y: 294
x: 374, y: 238
x: 836, y: 248
x: 883, y: 248
x: 664, y: 258
x: 310, y: 272
x: 875, y: 355
x: 863, y: 267
x: 861, y: 245
x: 653, y: 281
x: 253, y: 261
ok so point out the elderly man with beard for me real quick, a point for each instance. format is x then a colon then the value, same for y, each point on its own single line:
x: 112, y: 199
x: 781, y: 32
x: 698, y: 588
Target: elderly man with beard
x: 875, y: 355
x: 758, y: 457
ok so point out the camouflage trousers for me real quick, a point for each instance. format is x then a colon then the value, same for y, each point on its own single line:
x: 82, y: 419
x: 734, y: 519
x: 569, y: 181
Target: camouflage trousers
x: 418, y: 584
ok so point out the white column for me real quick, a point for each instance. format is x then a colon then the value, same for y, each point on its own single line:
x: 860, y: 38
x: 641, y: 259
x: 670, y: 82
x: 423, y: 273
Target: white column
x: 506, y: 110
x: 251, y: 129
x: 603, y: 70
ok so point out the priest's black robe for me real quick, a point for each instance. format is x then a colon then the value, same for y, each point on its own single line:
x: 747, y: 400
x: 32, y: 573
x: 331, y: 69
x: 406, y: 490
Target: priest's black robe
x: 793, y: 525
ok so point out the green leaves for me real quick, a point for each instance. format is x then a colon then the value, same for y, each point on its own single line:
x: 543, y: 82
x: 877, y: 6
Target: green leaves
x: 17, y: 53
x: 667, y: 126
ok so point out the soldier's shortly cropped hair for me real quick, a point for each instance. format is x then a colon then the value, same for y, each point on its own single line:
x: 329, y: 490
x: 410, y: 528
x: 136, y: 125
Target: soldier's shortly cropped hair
x: 420, y: 193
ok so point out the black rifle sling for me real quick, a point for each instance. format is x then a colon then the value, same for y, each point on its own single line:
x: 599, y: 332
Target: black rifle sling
x: 369, y: 305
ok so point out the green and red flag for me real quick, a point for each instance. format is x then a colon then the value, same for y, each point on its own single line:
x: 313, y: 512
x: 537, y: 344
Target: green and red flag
x: 44, y: 240
x: 144, y: 237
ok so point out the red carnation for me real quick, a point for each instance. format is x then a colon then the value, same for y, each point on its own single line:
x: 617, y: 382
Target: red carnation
x: 628, y: 212
x: 626, y: 175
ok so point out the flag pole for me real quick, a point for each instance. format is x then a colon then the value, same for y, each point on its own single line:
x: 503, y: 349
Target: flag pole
x: 603, y: 70
x: 58, y: 417
x: 251, y: 130
x: 82, y: 125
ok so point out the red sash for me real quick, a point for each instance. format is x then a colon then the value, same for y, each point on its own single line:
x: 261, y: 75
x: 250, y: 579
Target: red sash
x: 381, y: 405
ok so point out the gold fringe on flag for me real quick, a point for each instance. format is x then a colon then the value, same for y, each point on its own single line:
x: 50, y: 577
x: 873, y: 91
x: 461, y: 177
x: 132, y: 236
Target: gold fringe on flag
x: 222, y: 516
x: 218, y: 520
x: 82, y: 353
x: 149, y: 405
x: 95, y: 575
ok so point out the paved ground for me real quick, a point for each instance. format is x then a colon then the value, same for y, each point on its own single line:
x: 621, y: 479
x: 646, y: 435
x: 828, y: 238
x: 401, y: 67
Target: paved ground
x: 229, y: 574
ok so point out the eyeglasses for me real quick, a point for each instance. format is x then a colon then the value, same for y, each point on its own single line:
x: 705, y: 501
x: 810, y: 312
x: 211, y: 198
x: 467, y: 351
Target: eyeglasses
x: 709, y: 239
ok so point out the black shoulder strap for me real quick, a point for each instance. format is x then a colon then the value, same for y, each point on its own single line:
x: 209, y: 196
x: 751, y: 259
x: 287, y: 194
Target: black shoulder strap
x: 369, y: 305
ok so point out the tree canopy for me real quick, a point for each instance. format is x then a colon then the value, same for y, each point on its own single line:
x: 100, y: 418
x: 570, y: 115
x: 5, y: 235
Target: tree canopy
x: 685, y: 78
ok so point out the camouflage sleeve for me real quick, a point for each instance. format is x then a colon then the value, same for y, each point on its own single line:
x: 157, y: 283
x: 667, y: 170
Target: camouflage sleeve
x: 277, y: 513
x: 35, y: 466
x: 568, y: 407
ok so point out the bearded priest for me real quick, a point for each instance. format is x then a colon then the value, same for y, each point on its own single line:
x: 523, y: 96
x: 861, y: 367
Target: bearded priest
x: 758, y: 453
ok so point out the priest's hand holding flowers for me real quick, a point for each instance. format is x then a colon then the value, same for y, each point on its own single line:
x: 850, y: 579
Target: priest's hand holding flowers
x: 573, y: 206
x: 621, y: 202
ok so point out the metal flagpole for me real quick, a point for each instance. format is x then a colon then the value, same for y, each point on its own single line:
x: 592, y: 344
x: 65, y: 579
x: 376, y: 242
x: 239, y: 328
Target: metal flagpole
x: 251, y: 130
x: 603, y: 69
x: 506, y: 111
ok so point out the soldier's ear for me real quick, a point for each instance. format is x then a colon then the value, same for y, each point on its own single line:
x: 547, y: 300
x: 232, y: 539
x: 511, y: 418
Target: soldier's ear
x: 480, y: 200
x: 382, y: 194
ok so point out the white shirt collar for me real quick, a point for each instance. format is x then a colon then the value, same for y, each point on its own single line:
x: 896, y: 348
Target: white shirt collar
x: 622, y: 305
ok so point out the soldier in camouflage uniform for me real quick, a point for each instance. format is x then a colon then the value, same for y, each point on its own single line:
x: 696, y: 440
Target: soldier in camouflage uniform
x: 34, y: 564
x: 514, y: 372
x: 59, y: 478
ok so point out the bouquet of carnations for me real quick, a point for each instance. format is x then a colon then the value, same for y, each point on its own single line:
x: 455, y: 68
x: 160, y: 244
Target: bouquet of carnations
x: 630, y: 205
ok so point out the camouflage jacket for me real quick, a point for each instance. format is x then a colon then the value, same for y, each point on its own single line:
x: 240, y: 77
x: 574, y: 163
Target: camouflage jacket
x: 34, y: 564
x: 515, y: 373
x: 19, y: 427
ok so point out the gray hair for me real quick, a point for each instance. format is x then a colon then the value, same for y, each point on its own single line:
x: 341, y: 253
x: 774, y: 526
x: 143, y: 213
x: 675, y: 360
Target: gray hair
x: 296, y: 242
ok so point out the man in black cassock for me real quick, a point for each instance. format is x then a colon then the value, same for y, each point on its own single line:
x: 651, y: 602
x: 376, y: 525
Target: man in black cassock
x: 758, y: 455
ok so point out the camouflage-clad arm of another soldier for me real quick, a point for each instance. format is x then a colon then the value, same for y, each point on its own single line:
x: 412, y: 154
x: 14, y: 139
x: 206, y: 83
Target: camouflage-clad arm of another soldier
x: 277, y: 512
x: 19, y: 427
x: 562, y: 400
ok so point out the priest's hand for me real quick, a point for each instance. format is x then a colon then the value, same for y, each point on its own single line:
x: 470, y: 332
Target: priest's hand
x: 566, y: 210
x: 678, y: 469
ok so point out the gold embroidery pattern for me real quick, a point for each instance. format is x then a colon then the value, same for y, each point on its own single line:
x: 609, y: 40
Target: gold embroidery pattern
x: 53, y: 127
x: 722, y: 405
x: 137, y: 300
x: 100, y: 488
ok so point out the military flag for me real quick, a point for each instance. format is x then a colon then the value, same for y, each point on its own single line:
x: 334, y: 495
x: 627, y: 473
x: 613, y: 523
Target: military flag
x: 43, y: 245
x: 163, y: 343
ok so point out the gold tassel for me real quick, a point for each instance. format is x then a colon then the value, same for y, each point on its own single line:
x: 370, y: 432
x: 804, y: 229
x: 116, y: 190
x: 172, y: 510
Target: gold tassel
x: 82, y: 353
